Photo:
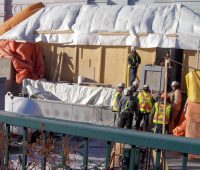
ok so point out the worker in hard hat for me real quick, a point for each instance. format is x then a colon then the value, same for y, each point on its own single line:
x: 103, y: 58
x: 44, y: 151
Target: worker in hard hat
x: 134, y: 61
x: 176, y: 98
x: 144, y: 104
x: 134, y: 88
x: 126, y: 110
x: 157, y: 114
x: 118, y: 96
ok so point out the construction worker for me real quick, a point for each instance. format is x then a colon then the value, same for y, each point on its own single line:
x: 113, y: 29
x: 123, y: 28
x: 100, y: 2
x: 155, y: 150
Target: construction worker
x: 176, y: 98
x: 157, y: 114
x: 134, y: 61
x: 118, y: 96
x: 144, y: 104
x: 116, y: 99
x: 134, y: 88
x: 126, y: 110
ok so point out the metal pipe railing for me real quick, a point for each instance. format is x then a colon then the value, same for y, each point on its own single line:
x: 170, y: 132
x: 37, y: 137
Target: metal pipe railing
x: 109, y: 134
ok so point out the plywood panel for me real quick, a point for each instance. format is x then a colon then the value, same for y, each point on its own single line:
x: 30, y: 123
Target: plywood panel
x: 89, y: 62
x: 114, y: 65
x: 68, y: 67
x: 189, y: 59
x: 102, y: 64
x: 48, y: 52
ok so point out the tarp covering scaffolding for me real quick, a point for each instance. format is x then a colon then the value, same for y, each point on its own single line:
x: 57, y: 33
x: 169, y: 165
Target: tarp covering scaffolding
x: 144, y: 26
x: 97, y: 96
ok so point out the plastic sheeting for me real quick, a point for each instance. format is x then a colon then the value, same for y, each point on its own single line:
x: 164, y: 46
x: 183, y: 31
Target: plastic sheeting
x: 98, y: 96
x: 148, y: 26
x: 27, y: 59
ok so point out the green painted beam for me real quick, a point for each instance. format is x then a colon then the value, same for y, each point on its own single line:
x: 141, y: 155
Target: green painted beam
x: 108, y: 154
x: 143, y: 139
x: 7, y: 145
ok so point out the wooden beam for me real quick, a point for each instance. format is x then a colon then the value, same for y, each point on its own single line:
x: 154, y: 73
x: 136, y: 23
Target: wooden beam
x: 54, y: 32
x: 126, y: 66
x: 113, y: 33
x: 171, y: 35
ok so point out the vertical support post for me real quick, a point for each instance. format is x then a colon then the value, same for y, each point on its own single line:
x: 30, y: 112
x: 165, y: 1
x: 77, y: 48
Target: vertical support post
x: 185, y: 159
x: 44, y: 145
x: 132, y: 158
x: 108, y: 152
x: 76, y: 64
x: 127, y: 78
x: 7, y: 145
x: 63, y: 150
x: 85, y: 154
x: 24, y: 156
x: 165, y: 90
x: 197, y: 66
x: 100, y: 64
x: 158, y: 153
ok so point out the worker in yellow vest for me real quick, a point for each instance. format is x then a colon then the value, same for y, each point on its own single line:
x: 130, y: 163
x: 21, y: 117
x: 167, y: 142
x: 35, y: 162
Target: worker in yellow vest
x: 117, y: 97
x: 134, y: 61
x: 157, y: 114
x: 144, y: 104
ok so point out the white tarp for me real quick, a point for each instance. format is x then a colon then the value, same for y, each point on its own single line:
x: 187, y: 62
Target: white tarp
x: 172, y: 26
x: 98, y: 96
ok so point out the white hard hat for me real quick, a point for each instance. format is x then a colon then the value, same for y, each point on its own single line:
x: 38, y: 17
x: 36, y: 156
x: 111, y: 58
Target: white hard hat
x: 146, y: 86
x: 175, y: 83
x: 133, y: 48
x: 121, y: 85
x: 127, y: 91
x: 135, y: 83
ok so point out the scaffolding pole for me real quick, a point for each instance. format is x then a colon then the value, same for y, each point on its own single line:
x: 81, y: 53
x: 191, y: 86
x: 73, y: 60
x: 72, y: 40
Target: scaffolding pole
x: 197, y: 66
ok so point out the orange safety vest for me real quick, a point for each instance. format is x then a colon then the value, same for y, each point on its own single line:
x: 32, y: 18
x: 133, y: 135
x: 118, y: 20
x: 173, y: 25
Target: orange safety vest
x: 145, y: 103
x: 159, y: 113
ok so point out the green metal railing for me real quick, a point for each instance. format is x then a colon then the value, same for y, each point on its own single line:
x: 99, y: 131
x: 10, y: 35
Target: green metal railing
x: 109, y: 134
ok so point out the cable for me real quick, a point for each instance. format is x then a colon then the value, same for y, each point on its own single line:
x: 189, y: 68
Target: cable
x: 176, y: 62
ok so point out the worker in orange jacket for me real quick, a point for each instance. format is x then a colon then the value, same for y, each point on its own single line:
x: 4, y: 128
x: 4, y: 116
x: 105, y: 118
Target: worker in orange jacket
x: 176, y: 98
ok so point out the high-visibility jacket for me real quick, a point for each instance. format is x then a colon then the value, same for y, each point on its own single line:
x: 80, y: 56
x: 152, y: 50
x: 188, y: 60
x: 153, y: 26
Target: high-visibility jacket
x: 116, y: 100
x: 134, y: 59
x: 127, y: 107
x: 144, y: 101
x: 159, y: 113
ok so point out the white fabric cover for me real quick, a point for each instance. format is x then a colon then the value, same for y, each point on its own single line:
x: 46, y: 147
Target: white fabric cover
x: 172, y: 26
x: 98, y: 96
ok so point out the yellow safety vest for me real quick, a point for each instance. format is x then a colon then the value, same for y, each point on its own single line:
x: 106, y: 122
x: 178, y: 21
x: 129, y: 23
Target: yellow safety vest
x: 115, y: 101
x: 158, y: 116
x: 134, y: 58
x: 145, y: 104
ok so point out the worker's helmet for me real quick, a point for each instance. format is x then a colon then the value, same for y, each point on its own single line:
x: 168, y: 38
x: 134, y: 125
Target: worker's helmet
x: 175, y: 83
x: 121, y: 85
x: 163, y: 95
x: 135, y: 83
x: 127, y: 92
x: 145, y: 87
x: 133, y: 49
